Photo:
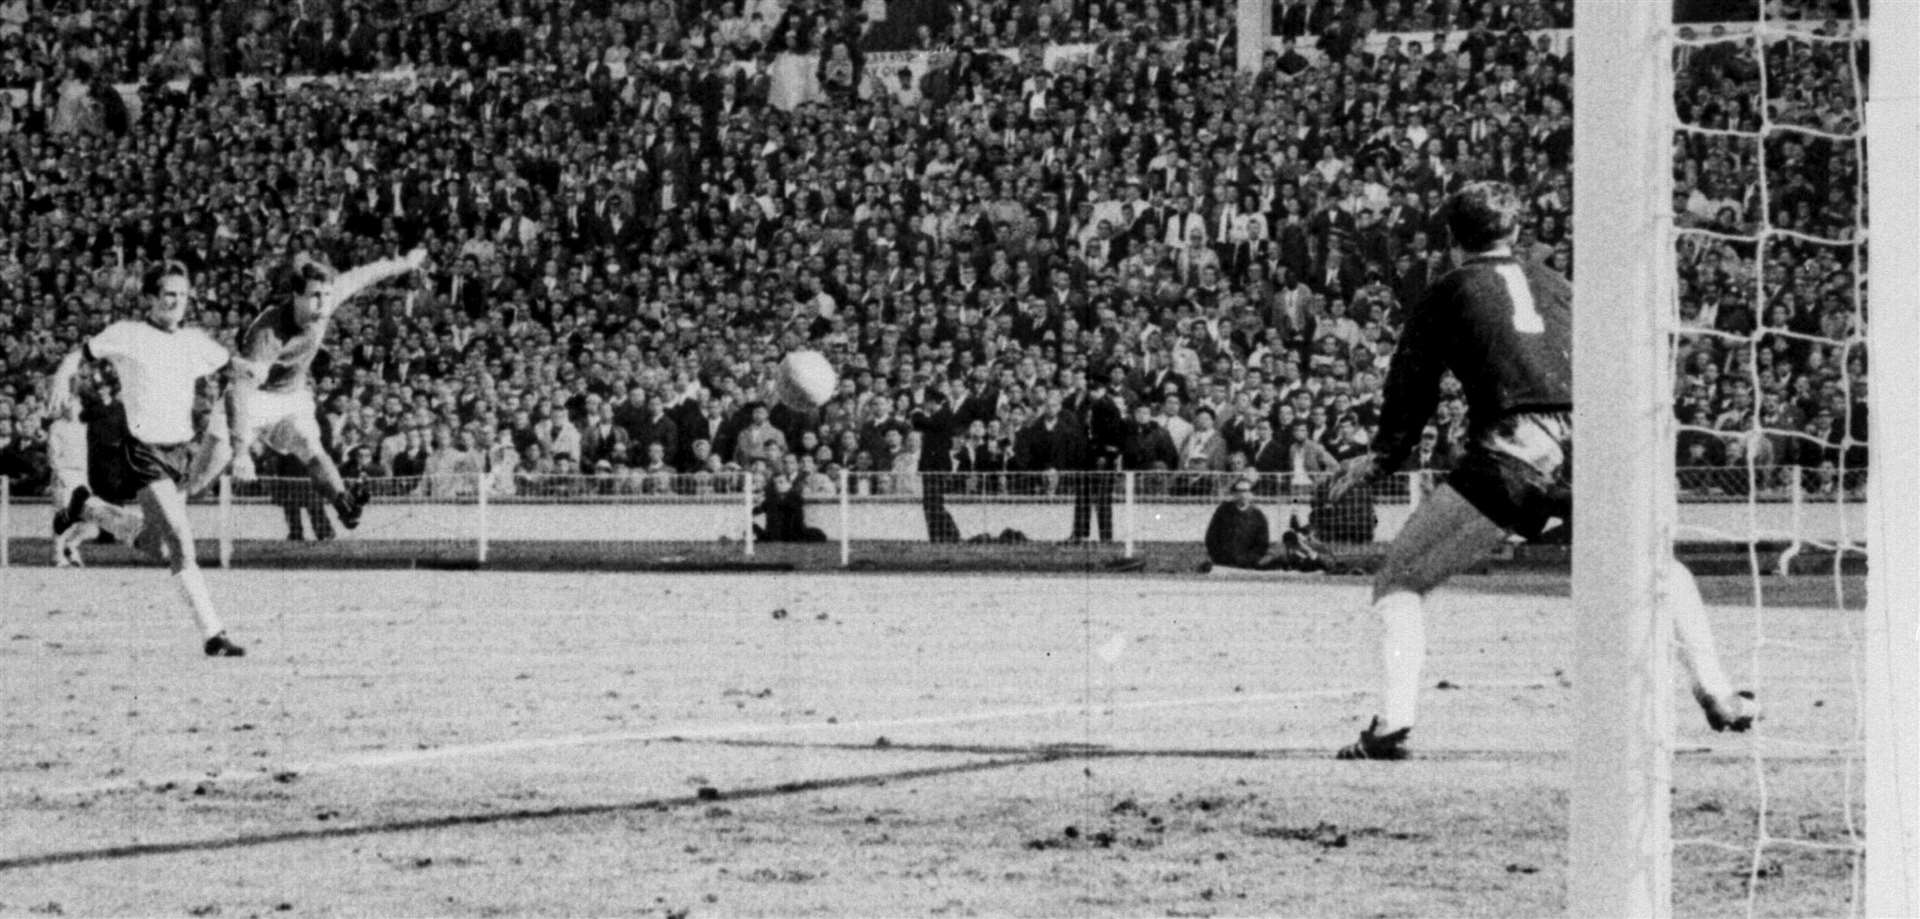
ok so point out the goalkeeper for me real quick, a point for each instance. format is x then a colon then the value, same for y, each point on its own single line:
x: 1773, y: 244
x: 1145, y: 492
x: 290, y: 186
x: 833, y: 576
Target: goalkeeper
x: 1503, y: 328
x: 276, y: 405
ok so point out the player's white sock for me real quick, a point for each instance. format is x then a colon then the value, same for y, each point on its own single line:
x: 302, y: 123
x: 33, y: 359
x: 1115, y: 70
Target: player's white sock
x: 194, y: 585
x: 1693, y: 634
x: 1404, y: 655
x: 123, y: 522
x: 66, y: 546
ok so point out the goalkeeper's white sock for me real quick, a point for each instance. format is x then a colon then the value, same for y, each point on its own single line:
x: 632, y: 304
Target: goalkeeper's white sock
x: 1692, y: 632
x: 194, y: 585
x: 1403, y: 646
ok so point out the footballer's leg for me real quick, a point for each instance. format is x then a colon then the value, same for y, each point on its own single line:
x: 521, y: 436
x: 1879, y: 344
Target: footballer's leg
x: 298, y: 435
x: 241, y: 409
x: 212, y: 455
x: 1445, y: 537
x: 67, y: 543
x: 67, y: 457
x: 163, y: 502
x: 1725, y: 708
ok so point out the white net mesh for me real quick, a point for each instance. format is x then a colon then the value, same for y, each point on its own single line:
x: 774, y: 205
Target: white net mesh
x: 1770, y: 405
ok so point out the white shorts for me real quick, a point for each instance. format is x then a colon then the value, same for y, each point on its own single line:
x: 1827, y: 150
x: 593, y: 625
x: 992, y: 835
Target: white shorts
x: 67, y: 455
x: 283, y: 421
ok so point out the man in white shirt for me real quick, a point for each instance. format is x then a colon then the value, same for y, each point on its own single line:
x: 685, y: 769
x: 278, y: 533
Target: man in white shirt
x: 1169, y: 417
x: 150, y: 443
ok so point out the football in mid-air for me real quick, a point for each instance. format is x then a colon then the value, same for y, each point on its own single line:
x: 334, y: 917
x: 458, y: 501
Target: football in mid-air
x: 805, y: 380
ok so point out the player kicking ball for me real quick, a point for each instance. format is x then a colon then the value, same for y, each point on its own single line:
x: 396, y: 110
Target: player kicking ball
x: 142, y: 452
x: 274, y: 405
x: 1503, y: 327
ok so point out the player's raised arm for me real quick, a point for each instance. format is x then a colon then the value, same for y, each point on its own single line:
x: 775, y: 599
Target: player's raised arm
x: 345, y: 285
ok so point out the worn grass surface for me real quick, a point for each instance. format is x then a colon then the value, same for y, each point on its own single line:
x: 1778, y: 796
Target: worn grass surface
x: 446, y: 743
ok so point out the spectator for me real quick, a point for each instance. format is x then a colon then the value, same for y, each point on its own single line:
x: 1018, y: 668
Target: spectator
x: 1147, y: 446
x: 933, y: 424
x: 1429, y: 455
x: 785, y: 509
x: 1202, y: 455
x: 1238, y: 533
x: 1306, y: 462
x: 453, y: 466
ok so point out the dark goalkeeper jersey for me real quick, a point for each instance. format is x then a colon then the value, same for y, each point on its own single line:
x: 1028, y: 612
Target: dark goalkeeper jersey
x: 1505, y: 329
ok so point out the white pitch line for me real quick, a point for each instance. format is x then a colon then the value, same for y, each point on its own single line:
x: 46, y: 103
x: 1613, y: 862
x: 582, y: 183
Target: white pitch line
x: 386, y: 758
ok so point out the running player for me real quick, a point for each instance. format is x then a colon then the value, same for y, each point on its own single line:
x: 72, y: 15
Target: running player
x: 276, y: 406
x: 83, y: 446
x: 67, y: 457
x: 143, y: 450
x: 1503, y: 327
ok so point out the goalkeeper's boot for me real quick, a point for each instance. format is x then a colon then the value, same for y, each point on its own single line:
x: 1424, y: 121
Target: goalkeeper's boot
x: 1375, y: 745
x: 349, y: 506
x: 221, y: 646
x: 1734, y: 713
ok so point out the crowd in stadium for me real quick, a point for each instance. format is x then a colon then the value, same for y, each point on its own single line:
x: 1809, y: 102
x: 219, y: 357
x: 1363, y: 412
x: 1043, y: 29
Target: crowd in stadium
x: 626, y: 234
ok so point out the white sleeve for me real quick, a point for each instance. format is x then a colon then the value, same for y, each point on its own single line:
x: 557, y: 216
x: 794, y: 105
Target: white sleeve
x: 212, y: 355
x: 350, y: 283
x: 112, y: 341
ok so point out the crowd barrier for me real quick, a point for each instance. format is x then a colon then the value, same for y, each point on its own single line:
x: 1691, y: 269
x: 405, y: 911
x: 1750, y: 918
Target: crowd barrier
x: 464, y: 516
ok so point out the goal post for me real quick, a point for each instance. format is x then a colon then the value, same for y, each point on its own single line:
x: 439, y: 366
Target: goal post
x: 1620, y: 821
x: 1619, y: 826
x: 1892, y: 666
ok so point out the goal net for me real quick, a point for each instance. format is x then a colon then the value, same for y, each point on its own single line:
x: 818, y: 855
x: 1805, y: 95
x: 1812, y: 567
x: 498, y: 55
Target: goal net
x: 1732, y: 197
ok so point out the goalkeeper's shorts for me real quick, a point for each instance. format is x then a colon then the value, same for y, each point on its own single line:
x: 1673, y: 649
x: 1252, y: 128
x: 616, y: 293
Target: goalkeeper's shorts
x: 1520, y: 472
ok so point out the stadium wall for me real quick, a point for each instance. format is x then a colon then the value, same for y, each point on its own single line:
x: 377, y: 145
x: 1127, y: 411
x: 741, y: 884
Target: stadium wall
x: 884, y: 519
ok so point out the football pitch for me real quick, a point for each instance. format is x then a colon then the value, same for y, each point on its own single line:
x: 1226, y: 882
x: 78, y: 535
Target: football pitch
x: 486, y: 743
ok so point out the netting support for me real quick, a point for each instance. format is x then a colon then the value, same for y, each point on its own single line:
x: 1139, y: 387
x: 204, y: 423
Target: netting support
x: 1892, y: 677
x: 747, y: 491
x: 224, y: 516
x: 1620, y: 834
x: 480, y: 515
x: 1128, y: 514
x: 6, y: 521
x: 846, y: 519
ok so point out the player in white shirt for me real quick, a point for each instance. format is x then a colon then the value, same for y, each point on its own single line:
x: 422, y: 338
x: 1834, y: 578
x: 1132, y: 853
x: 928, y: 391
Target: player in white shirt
x: 144, y: 451
x: 275, y: 407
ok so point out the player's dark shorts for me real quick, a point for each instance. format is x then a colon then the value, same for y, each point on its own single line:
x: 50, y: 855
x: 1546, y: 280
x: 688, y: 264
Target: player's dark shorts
x: 120, y: 464
x: 1520, y: 472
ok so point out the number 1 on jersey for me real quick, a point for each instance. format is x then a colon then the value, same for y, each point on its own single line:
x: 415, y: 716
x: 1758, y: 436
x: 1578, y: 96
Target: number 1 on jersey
x: 1526, y: 317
